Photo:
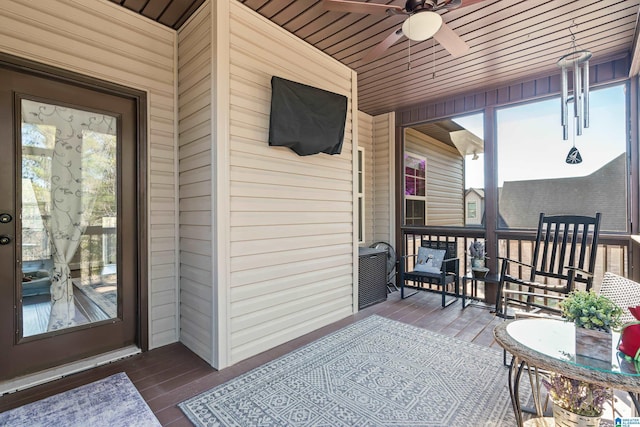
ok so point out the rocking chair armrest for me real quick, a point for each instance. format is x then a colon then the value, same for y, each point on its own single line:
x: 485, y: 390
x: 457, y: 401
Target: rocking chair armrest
x: 506, y: 278
x: 524, y: 264
x: 533, y: 294
x: 579, y: 270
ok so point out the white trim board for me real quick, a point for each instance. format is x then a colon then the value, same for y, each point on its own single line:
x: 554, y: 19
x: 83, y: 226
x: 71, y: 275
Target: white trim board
x: 32, y: 380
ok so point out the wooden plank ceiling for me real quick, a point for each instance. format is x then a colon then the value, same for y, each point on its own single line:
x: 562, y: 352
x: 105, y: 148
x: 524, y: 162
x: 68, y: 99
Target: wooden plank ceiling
x: 510, y: 40
x: 172, y: 13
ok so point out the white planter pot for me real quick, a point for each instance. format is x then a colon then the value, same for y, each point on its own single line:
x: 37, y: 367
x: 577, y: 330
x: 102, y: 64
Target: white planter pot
x: 477, y: 263
x: 564, y: 418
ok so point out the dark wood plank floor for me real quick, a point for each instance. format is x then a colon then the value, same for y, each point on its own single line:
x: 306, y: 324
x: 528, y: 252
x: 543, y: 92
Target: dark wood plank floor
x: 168, y: 375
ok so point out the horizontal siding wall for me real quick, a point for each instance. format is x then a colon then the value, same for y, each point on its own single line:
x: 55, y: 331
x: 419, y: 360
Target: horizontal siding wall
x: 291, y: 231
x: 99, y: 39
x: 195, y: 145
x: 383, y: 178
x: 445, y: 193
x: 365, y: 140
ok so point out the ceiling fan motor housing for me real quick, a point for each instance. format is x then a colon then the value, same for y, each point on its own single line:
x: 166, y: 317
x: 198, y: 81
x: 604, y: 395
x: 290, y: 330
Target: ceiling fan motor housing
x: 423, y: 20
x: 412, y: 5
x: 416, y: 5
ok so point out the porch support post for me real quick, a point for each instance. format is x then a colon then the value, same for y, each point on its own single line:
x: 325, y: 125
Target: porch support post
x: 634, y: 192
x: 399, y: 190
x: 491, y: 189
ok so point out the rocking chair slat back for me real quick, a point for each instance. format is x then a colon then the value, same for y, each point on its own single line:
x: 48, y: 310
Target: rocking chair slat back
x: 562, y: 241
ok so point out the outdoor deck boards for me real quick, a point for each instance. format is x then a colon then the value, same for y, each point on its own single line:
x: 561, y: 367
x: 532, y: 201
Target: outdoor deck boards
x: 168, y: 375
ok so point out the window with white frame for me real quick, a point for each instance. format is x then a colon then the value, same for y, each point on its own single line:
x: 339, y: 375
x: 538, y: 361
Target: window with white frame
x: 415, y: 189
x: 472, y: 210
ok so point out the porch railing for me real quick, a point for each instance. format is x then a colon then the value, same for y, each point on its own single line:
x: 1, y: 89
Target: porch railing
x: 413, y: 236
x: 98, y: 247
x: 613, y: 249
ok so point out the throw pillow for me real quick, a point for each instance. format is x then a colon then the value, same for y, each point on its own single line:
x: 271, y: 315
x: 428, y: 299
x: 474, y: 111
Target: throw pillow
x: 429, y: 260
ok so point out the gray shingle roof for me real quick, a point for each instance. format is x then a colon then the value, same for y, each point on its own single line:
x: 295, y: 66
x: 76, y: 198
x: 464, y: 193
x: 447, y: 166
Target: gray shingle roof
x: 603, y: 191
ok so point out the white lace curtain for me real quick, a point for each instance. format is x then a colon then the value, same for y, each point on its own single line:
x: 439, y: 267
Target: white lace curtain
x: 72, y: 189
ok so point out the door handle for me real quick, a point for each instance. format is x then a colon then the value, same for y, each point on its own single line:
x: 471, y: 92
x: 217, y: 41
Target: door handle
x: 5, y: 218
x: 5, y: 240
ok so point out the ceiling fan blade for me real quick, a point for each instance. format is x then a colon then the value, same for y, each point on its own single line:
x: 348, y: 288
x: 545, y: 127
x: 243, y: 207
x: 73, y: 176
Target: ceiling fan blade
x: 451, y: 41
x: 382, y: 46
x: 359, y: 7
x: 457, y: 4
x: 466, y: 3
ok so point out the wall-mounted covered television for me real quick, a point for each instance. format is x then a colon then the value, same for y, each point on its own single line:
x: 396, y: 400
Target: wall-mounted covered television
x: 306, y: 119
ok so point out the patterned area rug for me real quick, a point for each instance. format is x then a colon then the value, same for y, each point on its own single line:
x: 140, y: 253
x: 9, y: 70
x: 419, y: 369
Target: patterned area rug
x: 110, y: 402
x: 375, y: 372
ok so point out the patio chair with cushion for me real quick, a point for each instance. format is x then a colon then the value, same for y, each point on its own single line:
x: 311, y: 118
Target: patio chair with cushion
x: 435, y: 263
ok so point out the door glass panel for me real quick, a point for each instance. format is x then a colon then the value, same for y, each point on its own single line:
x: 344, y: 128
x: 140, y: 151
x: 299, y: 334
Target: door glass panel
x: 69, y: 217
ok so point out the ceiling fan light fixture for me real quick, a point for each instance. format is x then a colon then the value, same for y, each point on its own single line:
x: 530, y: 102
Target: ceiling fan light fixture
x: 421, y: 25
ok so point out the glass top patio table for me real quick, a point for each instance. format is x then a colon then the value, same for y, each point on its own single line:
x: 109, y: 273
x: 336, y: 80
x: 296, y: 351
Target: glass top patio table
x: 556, y: 339
x: 549, y: 344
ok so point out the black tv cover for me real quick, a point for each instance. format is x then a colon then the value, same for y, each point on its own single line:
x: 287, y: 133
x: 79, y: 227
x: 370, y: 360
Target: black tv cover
x: 306, y: 119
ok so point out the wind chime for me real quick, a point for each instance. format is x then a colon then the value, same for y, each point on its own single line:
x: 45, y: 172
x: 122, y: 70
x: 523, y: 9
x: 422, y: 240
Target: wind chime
x: 578, y: 61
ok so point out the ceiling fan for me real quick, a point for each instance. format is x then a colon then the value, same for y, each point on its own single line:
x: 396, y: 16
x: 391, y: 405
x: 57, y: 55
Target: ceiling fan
x: 422, y: 22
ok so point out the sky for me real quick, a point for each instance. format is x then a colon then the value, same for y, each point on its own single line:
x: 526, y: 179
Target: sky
x: 530, y: 144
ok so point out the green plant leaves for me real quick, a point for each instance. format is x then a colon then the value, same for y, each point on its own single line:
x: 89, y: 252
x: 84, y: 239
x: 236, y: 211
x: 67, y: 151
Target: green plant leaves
x: 591, y: 311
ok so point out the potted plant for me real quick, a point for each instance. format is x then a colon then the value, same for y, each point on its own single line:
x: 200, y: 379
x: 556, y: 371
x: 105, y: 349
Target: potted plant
x: 575, y: 403
x: 478, y: 255
x: 579, y: 403
x: 594, y: 317
x: 588, y: 310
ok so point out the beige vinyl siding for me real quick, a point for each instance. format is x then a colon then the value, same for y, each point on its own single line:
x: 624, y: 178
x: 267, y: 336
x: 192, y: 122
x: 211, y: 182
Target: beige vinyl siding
x: 383, y: 172
x: 195, y: 168
x: 365, y: 140
x: 291, y: 230
x: 99, y: 39
x: 445, y: 192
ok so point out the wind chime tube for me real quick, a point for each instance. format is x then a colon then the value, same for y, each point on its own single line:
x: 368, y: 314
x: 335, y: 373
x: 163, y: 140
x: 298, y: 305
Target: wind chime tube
x: 585, y: 78
x: 563, y: 108
x: 577, y: 96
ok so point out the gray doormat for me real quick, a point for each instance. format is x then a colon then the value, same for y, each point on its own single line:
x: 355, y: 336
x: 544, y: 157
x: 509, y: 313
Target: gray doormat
x: 111, y: 402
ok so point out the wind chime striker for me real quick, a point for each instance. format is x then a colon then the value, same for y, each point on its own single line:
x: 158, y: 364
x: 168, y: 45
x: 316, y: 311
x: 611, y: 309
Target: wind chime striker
x: 578, y: 61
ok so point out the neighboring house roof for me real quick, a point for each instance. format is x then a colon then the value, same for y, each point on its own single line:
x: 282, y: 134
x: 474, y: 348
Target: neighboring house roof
x: 478, y: 191
x: 522, y: 201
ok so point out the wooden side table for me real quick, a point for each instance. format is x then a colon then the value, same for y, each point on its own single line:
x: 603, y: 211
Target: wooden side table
x: 490, y: 281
